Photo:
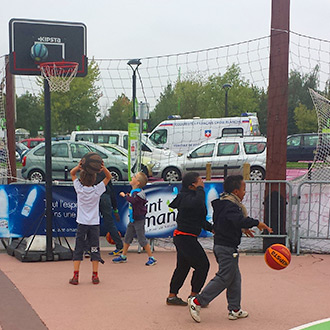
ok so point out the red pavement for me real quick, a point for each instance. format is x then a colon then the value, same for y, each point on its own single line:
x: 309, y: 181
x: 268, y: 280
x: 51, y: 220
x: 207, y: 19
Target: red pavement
x: 132, y: 296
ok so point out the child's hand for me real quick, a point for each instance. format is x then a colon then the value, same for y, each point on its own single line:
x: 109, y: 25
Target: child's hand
x: 80, y: 166
x: 122, y: 194
x: 263, y: 226
x: 248, y: 232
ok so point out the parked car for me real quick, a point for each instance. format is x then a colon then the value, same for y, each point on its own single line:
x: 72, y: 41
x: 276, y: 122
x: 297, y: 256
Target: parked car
x: 146, y: 162
x: 230, y: 151
x: 21, y: 150
x: 32, y: 142
x: 306, y: 147
x: 65, y: 156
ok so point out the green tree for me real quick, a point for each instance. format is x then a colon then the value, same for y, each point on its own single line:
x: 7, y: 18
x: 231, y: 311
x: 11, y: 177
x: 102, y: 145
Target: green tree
x: 30, y: 113
x: 79, y: 106
x: 118, y: 115
x: 305, y: 119
x: 299, y: 94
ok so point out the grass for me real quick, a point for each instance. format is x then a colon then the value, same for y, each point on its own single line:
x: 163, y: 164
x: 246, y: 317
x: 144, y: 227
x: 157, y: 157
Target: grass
x: 296, y: 165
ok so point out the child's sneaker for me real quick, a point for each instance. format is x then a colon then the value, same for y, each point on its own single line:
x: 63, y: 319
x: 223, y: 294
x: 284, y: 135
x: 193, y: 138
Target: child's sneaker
x: 74, y: 280
x: 175, y: 301
x: 117, y: 252
x: 87, y: 254
x: 119, y: 259
x: 237, y: 315
x: 95, y: 279
x: 151, y: 261
x: 194, y: 309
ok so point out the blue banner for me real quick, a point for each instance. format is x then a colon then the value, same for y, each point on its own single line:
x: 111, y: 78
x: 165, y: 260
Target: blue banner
x: 22, y: 209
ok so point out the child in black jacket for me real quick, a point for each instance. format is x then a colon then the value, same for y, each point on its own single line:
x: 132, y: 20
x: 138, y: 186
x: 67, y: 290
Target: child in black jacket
x: 230, y: 219
x: 191, y: 218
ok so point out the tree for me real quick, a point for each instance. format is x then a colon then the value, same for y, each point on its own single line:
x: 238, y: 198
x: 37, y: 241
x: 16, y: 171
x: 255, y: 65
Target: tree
x: 118, y: 115
x: 30, y: 113
x: 79, y: 106
x: 305, y: 119
x: 299, y: 94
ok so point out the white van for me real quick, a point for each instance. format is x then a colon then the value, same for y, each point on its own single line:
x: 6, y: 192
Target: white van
x: 181, y: 135
x: 102, y: 136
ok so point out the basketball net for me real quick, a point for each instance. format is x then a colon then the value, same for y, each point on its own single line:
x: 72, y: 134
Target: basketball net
x: 59, y: 75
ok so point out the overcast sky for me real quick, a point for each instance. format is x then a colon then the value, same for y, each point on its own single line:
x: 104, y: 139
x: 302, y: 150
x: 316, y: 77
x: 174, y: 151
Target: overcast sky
x: 135, y: 29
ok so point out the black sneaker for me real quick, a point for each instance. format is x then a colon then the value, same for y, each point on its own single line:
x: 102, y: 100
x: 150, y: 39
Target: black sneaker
x: 176, y: 301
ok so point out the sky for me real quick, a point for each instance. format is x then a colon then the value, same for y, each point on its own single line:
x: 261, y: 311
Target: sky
x: 136, y: 29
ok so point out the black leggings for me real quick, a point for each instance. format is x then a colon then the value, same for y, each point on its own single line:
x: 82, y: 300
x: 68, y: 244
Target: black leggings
x: 189, y: 254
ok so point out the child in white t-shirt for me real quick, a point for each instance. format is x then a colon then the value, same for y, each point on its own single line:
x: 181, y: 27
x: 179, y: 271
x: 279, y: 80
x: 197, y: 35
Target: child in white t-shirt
x: 88, y: 218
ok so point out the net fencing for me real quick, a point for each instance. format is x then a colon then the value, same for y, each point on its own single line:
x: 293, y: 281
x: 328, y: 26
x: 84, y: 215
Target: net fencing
x: 190, y: 84
x: 5, y: 168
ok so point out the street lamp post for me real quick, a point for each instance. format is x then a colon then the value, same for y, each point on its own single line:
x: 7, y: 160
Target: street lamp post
x: 226, y: 87
x: 134, y: 64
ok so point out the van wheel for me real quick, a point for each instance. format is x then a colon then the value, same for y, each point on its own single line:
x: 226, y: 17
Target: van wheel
x: 36, y: 176
x: 171, y: 174
x: 257, y: 173
x: 116, y: 175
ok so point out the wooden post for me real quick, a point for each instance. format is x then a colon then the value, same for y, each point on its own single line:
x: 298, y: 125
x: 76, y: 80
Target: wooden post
x: 10, y: 120
x: 246, y: 171
x: 277, y: 120
x: 208, y: 171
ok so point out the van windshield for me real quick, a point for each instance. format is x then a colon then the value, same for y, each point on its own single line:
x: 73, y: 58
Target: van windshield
x: 159, y: 137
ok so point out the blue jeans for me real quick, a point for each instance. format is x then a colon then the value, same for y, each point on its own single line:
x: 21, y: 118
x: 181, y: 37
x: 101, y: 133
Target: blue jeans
x: 108, y: 220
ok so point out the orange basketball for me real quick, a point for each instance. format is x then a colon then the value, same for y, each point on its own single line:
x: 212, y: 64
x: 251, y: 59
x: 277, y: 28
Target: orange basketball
x: 109, y: 238
x: 277, y: 256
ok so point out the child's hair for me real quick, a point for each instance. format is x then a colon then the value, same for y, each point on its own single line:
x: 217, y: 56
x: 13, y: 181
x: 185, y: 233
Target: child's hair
x: 86, y: 178
x: 142, y: 178
x: 232, y: 182
x: 189, y: 179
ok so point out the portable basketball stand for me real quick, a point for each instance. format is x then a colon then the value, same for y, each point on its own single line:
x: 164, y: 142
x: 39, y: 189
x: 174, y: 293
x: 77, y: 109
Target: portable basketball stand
x: 66, y: 59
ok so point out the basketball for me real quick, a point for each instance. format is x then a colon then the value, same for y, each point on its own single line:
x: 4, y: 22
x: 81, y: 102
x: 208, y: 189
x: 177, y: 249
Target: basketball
x: 39, y: 52
x: 277, y: 256
x: 91, y: 162
x: 109, y: 238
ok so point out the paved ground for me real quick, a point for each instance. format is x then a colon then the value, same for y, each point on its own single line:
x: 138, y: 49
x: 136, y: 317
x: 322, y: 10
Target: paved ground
x: 132, y: 296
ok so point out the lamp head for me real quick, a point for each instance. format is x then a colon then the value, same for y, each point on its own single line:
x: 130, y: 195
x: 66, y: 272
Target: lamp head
x: 226, y: 86
x: 134, y: 63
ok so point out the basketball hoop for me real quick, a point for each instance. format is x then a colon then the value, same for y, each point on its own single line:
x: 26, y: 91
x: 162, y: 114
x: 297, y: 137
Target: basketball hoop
x: 59, y: 74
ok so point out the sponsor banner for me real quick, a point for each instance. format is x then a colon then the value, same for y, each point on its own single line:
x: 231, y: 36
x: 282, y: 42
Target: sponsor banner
x: 22, y: 211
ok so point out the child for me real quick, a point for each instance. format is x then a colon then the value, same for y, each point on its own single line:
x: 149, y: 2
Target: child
x: 88, y: 218
x: 138, y: 211
x: 229, y: 220
x: 191, y: 218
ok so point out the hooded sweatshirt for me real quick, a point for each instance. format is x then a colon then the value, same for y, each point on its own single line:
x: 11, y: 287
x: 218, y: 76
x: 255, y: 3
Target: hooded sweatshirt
x: 192, y: 212
x: 229, y: 218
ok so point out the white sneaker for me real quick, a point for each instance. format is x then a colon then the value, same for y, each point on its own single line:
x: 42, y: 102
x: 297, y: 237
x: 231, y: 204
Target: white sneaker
x: 237, y: 315
x: 194, y: 309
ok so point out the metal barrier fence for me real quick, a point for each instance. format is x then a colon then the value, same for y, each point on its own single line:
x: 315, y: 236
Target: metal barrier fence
x: 274, y: 210
x: 312, y: 229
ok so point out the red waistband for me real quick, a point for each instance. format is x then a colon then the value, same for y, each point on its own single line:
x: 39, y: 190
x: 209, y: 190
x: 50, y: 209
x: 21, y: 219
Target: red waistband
x: 178, y: 232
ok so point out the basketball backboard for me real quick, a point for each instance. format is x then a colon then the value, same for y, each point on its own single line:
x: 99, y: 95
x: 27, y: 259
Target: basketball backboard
x: 65, y: 41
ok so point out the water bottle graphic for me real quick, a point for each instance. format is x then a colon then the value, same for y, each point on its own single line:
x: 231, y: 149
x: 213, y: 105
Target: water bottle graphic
x: 29, y: 202
x: 4, y: 214
x: 211, y: 195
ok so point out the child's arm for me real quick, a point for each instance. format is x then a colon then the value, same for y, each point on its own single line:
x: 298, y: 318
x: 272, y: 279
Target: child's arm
x: 74, y: 171
x: 107, y: 173
x: 263, y: 226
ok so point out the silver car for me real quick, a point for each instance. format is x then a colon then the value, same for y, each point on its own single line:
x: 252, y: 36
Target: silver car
x: 65, y: 156
x: 230, y: 151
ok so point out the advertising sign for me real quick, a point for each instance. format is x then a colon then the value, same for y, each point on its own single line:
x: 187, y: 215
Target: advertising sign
x: 23, y: 206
